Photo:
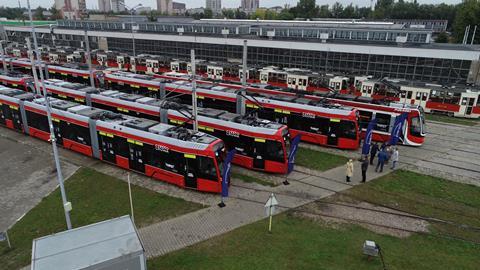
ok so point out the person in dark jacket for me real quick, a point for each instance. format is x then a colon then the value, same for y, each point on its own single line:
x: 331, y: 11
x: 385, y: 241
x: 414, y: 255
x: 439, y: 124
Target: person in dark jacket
x: 364, y: 169
x: 382, y: 157
x: 373, y: 152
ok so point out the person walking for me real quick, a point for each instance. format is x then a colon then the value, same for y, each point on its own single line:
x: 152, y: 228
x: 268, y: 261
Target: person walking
x: 364, y: 169
x: 382, y: 156
x: 394, y: 158
x: 373, y: 152
x: 349, y: 169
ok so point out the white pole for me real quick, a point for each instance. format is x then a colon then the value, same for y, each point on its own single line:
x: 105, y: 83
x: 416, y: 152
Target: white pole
x: 34, y: 69
x: 130, y: 195
x: 473, y: 36
x: 89, y: 59
x: 245, y: 52
x: 133, y: 35
x: 8, y: 239
x: 66, y: 205
x: 194, y: 91
x: 3, y: 57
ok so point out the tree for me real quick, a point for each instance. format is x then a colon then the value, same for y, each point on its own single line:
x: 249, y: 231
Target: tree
x: 442, y: 38
x: 324, y: 12
x: 38, y: 14
x: 208, y: 14
x: 228, y: 13
x: 285, y: 15
x: 56, y: 14
x: 306, y: 9
x: 337, y: 10
x: 468, y: 13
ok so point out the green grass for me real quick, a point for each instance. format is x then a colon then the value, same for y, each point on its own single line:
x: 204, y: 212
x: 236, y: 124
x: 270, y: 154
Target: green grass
x: 251, y: 179
x: 316, y: 160
x: 451, y: 120
x: 299, y: 243
x: 95, y: 197
x: 427, y: 196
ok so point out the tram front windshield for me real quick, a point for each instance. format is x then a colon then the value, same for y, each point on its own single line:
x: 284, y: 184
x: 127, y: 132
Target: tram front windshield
x: 416, y: 126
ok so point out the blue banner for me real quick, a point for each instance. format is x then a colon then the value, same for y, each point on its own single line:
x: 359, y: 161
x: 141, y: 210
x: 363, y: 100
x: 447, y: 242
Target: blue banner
x: 397, y: 128
x: 368, y: 137
x: 227, y: 166
x: 293, y: 151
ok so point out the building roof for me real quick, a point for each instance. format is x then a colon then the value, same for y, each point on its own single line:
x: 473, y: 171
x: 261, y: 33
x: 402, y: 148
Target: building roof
x: 85, y: 246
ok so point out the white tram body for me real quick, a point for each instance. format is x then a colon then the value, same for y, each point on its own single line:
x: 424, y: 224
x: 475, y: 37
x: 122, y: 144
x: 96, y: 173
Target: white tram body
x: 338, y: 83
x: 214, y: 71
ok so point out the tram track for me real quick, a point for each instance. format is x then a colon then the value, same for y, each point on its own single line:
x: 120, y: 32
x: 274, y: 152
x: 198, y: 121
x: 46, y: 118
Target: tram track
x: 297, y: 209
x: 393, y: 211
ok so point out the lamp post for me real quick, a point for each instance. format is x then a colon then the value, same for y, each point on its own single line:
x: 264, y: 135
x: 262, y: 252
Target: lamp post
x: 132, y: 11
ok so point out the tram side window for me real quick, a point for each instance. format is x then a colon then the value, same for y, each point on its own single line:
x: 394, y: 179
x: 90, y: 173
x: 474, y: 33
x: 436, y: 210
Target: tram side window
x: 121, y: 146
x: 424, y: 96
x: 176, y: 162
x: 37, y: 121
x: 75, y: 133
x: 274, y: 151
x: 409, y: 94
x: 244, y: 145
x: 206, y: 168
x: 156, y: 157
x: 383, y: 122
x: 347, y: 130
x: 418, y: 96
x: 365, y: 118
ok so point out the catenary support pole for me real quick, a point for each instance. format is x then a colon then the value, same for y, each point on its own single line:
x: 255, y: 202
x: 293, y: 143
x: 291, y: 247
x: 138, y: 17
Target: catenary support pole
x: 194, y: 91
x: 245, y: 55
x: 66, y: 204
x: 133, y: 35
x: 89, y: 59
x: 4, y: 63
x: 34, y: 69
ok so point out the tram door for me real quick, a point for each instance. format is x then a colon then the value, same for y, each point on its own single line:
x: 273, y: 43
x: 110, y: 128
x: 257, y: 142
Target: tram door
x: 57, y: 130
x: 259, y: 151
x: 16, y: 118
x: 136, y: 157
x: 107, y: 146
x: 467, y: 103
x: 191, y: 171
x: 333, y: 132
x: 2, y: 114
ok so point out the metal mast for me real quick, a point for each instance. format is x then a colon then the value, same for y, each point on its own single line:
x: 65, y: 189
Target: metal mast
x: 66, y: 204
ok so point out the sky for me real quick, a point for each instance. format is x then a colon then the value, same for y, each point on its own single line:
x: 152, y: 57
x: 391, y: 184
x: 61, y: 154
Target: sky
x: 91, y: 4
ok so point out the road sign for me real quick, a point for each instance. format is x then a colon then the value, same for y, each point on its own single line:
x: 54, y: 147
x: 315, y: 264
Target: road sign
x: 270, y: 209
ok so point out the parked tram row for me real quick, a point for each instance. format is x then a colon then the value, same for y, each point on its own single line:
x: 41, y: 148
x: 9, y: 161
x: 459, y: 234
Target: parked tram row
x: 323, y: 122
x: 172, y: 154
x: 452, y: 100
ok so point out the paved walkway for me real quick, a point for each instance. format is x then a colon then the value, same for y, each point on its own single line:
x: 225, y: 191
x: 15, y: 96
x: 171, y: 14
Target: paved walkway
x: 244, y: 206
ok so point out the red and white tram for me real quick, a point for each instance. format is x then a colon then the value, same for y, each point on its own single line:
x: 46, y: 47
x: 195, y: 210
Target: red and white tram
x: 260, y: 144
x: 328, y: 125
x: 172, y: 154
